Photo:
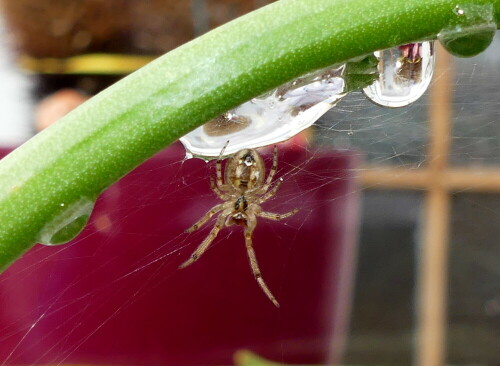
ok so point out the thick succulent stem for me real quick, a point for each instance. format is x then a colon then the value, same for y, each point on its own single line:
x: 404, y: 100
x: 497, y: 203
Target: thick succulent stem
x: 113, y: 132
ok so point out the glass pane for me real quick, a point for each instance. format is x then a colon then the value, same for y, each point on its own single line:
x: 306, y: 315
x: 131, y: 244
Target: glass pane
x: 474, y: 292
x: 382, y: 325
x: 476, y: 107
x: 394, y: 137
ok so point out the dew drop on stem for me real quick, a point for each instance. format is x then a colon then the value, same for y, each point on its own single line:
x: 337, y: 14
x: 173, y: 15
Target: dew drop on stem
x: 405, y: 73
x: 471, y: 31
x: 281, y: 113
x: 68, y: 223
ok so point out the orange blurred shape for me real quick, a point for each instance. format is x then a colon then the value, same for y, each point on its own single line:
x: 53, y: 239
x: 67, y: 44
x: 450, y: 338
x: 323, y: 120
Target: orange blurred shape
x: 57, y: 105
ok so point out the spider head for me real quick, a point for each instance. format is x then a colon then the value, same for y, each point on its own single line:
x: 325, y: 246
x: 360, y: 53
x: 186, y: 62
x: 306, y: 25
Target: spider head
x: 245, y: 170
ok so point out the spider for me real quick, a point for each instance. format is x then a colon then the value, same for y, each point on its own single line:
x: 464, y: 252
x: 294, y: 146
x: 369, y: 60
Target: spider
x: 242, y: 192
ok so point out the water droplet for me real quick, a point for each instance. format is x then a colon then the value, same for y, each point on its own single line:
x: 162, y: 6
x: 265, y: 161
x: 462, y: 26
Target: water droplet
x: 405, y: 73
x: 472, y: 32
x: 68, y: 223
x: 280, y: 114
x: 459, y: 11
x: 269, y: 118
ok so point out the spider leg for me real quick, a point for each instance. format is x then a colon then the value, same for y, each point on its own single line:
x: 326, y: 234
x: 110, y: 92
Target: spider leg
x: 274, y: 168
x: 276, y: 216
x: 272, y: 172
x: 218, y: 167
x: 206, y: 217
x: 271, y: 193
x: 255, y: 266
x: 208, y: 240
x: 217, y: 191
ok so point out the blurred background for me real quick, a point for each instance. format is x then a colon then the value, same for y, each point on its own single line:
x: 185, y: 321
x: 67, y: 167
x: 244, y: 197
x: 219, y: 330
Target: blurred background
x: 427, y: 280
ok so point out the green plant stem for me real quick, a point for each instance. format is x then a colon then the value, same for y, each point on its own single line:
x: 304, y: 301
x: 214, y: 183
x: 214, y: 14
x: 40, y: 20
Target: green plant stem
x: 113, y: 132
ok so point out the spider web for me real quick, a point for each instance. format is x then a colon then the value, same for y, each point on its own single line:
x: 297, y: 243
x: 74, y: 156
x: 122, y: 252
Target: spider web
x: 92, y: 289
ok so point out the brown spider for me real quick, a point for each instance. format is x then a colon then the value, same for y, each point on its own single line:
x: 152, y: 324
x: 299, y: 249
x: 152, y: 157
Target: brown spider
x: 243, y: 192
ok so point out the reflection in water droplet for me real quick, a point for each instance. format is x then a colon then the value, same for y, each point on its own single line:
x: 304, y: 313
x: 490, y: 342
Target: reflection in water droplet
x: 472, y: 32
x: 225, y: 124
x: 405, y: 73
x: 269, y: 118
x: 67, y: 224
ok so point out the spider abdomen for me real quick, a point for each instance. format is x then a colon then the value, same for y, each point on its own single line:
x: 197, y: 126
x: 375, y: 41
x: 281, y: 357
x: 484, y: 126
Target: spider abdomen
x: 245, y: 170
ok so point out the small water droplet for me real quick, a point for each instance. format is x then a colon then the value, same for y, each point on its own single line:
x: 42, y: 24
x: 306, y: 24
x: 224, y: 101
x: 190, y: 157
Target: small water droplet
x: 68, y: 223
x: 405, y: 73
x: 472, y: 32
x: 459, y: 11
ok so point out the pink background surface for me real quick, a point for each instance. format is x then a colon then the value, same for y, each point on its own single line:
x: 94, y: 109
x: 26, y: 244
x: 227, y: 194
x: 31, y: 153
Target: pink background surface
x: 115, y: 295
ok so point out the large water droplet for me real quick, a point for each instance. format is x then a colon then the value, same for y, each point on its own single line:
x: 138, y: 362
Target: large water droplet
x: 268, y: 119
x: 472, y: 31
x: 405, y: 73
x: 67, y: 224
x: 277, y: 115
